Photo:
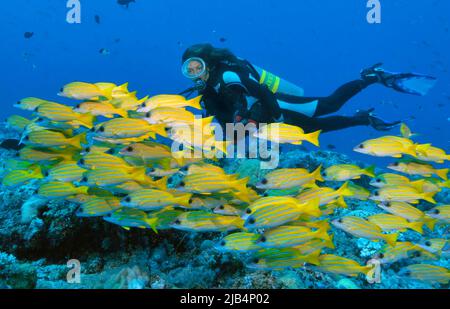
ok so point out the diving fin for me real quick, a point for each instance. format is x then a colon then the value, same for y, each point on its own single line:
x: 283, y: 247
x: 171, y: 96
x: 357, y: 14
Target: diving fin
x: 376, y: 122
x: 412, y: 83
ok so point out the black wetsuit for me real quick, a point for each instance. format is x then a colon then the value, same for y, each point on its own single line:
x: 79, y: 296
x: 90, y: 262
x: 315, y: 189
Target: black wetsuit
x: 233, y: 90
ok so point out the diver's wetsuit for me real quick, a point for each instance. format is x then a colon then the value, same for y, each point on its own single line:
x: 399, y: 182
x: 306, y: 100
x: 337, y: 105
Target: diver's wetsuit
x: 233, y: 91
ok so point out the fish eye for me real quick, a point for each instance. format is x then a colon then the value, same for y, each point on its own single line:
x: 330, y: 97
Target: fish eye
x: 177, y: 221
x: 340, y: 220
x: 169, y: 180
x: 255, y: 260
x: 184, y: 169
x: 61, y: 90
x: 182, y: 184
x: 19, y: 102
x: 129, y: 149
x: 102, y: 129
x: 87, y: 149
x: 157, y: 178
x: 417, y: 254
x: 77, y: 106
x: 395, y: 164
x: 81, y: 161
x: 221, y: 207
x: 151, y: 170
x: 388, y: 204
x: 27, y: 138
x: 381, y: 255
x: 361, y: 146
x: 265, y: 194
x: 324, y: 174
x: 92, y: 129
x: 376, y: 193
x: 223, y: 243
x: 248, y: 211
x: 166, y: 129
x: 428, y: 243
x: 46, y: 173
x: 436, y: 211
x: 84, y: 179
x: 264, y: 181
x: 190, y: 201
x: 144, y: 104
x: 262, y: 239
x: 378, y: 180
x: 110, y: 151
x: 148, y: 114
x: 251, y: 220
x: 127, y: 199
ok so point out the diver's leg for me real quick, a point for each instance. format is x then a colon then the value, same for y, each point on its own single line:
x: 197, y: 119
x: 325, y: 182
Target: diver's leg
x: 334, y: 102
x: 326, y: 124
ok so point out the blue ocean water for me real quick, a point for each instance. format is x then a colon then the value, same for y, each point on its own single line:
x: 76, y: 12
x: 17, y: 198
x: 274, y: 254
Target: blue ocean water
x: 318, y: 45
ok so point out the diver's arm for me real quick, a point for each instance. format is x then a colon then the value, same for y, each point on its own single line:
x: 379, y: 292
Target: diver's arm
x: 267, y: 98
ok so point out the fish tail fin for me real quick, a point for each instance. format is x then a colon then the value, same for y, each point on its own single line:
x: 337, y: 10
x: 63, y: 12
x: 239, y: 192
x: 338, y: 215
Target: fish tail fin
x: 430, y: 222
x: 344, y: 190
x: 152, y: 222
x: 195, y: 102
x: 139, y: 175
x: 313, y: 137
x: 311, y: 207
x: 207, y: 121
x: 370, y: 171
x: 83, y: 190
x: 428, y: 196
x: 178, y: 157
x: 316, y: 173
x: 391, y: 239
x: 78, y: 139
x: 87, y: 120
x: 313, y: 258
x: 416, y: 226
x: 412, y: 151
x: 329, y: 243
x: 341, y: 202
x: 322, y: 233
x: 122, y: 113
x: 159, y: 129
x: 161, y: 184
x: 422, y: 149
x: 418, y: 184
x: 442, y: 173
x: 183, y: 200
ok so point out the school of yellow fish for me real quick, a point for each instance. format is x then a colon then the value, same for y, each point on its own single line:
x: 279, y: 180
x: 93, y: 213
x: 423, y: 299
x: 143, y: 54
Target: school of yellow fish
x: 102, y: 153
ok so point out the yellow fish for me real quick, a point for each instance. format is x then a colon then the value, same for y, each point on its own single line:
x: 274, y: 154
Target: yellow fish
x: 57, y: 189
x: 408, y: 212
x: 341, y: 266
x: 104, y: 177
x: 62, y: 113
x: 212, y: 183
x: 344, y: 172
x: 441, y: 213
x: 129, y: 102
x: 150, y: 199
x: 202, y: 221
x: 387, y: 146
x: 44, y: 154
x: 401, y: 194
x: 326, y: 195
x: 47, y: 138
x: 267, y: 213
x: 290, y: 236
x: 20, y: 177
x: 66, y: 171
x: 287, y: 178
x: 284, y: 133
x: 81, y: 91
x: 174, y: 101
x: 362, y: 228
x: 128, y: 128
x: 278, y: 259
x: 104, y: 109
x: 427, y: 273
x: 240, y: 241
x: 30, y: 104
x: 413, y: 168
x: 388, y: 222
x: 404, y: 250
x: 389, y: 179
x: 175, y: 116
x: 17, y: 122
x: 406, y: 131
x: 99, y: 206
x: 129, y: 217
x: 433, y: 154
x: 358, y: 192
x: 434, y: 245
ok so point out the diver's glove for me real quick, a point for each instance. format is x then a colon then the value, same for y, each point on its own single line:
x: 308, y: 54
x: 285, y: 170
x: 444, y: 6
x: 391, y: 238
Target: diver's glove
x: 376, y: 122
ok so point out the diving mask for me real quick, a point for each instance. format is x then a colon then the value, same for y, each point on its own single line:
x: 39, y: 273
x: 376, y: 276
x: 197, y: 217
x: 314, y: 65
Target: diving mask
x: 193, y: 68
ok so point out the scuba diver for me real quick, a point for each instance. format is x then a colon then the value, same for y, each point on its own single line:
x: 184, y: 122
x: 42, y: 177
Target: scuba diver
x: 234, y: 90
